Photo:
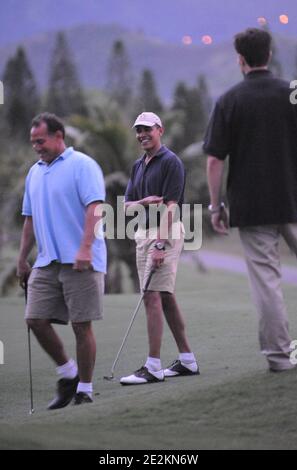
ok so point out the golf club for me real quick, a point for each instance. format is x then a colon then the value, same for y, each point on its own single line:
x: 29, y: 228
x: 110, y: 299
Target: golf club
x: 29, y: 349
x: 111, y: 376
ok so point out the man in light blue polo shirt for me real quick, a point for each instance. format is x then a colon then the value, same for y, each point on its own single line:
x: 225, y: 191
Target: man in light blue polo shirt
x: 67, y: 280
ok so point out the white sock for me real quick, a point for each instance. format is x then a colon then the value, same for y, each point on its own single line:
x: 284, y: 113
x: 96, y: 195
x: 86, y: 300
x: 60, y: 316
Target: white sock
x: 187, y: 358
x: 153, y: 363
x: 86, y: 387
x: 68, y: 370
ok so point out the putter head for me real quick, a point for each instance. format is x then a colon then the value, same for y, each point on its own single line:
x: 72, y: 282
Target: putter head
x: 109, y: 377
x: 31, y: 411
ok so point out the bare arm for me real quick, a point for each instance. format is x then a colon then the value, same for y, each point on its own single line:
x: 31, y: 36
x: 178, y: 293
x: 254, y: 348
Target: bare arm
x: 215, y: 169
x: 158, y: 256
x: 166, y: 221
x: 84, y: 255
x: 27, y: 243
x: 145, y: 201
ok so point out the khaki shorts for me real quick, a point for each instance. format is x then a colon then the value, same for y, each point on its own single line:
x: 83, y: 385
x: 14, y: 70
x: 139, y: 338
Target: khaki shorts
x: 58, y: 293
x: 163, y: 280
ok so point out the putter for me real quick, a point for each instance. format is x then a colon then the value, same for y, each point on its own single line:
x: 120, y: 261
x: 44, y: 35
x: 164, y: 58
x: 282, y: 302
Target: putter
x: 30, y: 359
x: 111, y: 376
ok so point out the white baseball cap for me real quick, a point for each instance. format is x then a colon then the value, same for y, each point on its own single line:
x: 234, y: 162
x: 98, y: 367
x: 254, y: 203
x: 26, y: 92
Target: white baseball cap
x: 148, y: 119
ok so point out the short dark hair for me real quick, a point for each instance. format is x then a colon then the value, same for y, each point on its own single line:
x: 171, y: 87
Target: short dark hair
x: 254, y: 45
x: 53, y: 122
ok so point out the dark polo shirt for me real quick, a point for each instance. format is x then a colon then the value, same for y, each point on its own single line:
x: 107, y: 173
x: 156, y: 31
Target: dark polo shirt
x: 164, y: 176
x: 256, y: 125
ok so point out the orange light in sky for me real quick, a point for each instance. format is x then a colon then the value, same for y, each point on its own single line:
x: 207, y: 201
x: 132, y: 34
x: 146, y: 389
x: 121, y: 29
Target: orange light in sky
x: 187, y: 40
x: 262, y: 20
x: 284, y: 19
x: 206, y: 39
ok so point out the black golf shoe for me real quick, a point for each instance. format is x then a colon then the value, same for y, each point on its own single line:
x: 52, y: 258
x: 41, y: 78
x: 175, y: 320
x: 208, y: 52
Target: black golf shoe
x: 66, y: 389
x: 177, y: 368
x: 81, y: 397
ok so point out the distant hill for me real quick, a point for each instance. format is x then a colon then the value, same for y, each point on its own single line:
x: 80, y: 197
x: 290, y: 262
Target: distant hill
x: 169, y: 20
x: 91, y: 46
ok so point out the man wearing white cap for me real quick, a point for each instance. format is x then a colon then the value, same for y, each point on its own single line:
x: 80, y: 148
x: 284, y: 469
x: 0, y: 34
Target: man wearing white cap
x: 158, y: 178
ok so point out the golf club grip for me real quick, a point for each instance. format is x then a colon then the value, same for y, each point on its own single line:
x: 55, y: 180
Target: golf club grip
x: 26, y: 289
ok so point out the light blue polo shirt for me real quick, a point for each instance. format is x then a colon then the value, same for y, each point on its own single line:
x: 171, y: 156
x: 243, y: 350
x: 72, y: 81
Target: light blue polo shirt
x: 56, y: 197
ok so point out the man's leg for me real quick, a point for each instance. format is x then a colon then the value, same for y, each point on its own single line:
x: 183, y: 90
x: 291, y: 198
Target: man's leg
x: 85, y: 350
x: 45, y: 302
x: 48, y: 340
x: 186, y: 363
x: 86, y: 356
x: 260, y: 245
x: 154, y: 316
x: 175, y: 321
x: 51, y: 343
x: 83, y: 294
x: 51, y: 306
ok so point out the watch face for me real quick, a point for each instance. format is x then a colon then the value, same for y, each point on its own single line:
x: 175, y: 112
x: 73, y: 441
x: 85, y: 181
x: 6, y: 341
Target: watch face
x: 159, y: 246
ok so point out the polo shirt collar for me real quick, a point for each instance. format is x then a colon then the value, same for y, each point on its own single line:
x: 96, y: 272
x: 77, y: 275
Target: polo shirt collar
x: 160, y: 153
x: 66, y: 154
x: 258, y: 73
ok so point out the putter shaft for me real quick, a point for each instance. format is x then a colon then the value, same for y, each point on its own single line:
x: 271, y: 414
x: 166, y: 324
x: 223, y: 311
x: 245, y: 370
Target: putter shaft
x: 125, y: 337
x: 30, y: 372
x: 111, y: 377
x: 30, y: 356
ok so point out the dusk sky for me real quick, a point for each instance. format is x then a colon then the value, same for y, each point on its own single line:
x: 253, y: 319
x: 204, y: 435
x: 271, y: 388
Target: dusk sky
x: 169, y: 20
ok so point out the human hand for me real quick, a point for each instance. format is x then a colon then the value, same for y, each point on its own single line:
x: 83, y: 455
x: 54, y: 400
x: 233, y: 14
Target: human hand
x: 220, y: 221
x: 23, y: 272
x: 83, y: 259
x: 158, y: 257
x: 152, y: 200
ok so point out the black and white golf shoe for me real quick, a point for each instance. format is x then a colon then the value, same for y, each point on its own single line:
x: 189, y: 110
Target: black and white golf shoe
x: 81, y: 397
x: 177, y: 368
x: 66, y: 389
x: 143, y: 376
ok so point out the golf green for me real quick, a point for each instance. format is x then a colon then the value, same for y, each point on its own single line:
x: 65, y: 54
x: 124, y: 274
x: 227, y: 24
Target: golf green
x: 234, y: 404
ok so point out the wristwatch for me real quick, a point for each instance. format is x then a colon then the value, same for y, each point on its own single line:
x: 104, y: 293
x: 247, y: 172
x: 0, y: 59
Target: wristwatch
x: 214, y: 210
x: 159, y: 246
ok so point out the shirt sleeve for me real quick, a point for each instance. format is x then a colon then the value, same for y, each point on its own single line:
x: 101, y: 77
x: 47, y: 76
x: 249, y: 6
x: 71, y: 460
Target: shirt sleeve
x: 91, y: 186
x: 174, y: 181
x: 129, y: 193
x: 26, y: 208
x: 217, y: 137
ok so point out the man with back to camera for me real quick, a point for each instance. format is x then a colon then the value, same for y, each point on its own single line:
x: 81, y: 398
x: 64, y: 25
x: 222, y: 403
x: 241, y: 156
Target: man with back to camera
x: 256, y: 125
x: 158, y: 177
x: 67, y: 280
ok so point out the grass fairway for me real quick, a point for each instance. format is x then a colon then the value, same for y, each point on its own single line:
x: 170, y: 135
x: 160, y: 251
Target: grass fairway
x: 234, y: 404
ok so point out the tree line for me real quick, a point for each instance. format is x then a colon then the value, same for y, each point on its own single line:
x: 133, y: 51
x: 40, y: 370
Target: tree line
x: 100, y: 125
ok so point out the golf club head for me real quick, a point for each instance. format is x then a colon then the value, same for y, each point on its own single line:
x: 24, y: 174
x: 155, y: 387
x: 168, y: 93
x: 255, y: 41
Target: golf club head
x: 31, y: 411
x: 109, y: 377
